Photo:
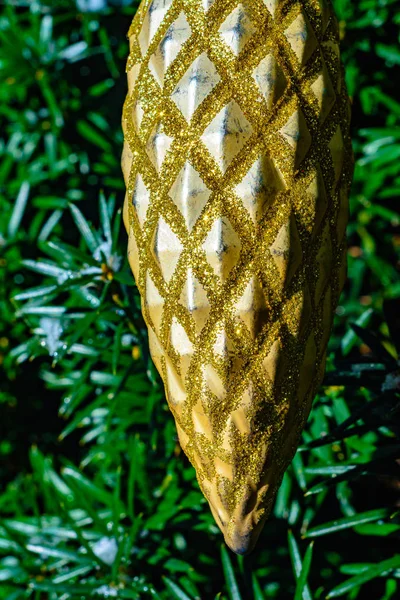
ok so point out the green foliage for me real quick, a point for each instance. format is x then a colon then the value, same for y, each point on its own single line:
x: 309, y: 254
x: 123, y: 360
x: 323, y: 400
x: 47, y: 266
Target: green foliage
x: 96, y: 498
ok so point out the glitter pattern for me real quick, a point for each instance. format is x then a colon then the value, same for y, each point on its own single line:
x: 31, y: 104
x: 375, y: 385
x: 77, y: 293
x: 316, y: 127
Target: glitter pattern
x: 237, y: 162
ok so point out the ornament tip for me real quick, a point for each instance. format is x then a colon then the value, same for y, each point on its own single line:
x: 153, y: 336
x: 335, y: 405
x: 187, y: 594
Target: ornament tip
x: 241, y: 543
x: 242, y: 530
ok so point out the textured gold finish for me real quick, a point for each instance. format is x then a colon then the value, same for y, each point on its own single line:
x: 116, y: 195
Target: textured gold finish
x: 237, y: 162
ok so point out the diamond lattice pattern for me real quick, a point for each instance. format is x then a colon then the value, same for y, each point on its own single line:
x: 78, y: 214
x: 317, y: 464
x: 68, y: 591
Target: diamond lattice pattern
x: 236, y: 124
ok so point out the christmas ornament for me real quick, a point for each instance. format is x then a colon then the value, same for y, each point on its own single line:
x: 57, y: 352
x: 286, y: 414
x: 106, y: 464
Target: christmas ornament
x: 237, y: 162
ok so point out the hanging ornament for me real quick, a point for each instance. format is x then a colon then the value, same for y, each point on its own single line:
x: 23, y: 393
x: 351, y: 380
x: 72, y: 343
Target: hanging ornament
x: 237, y: 162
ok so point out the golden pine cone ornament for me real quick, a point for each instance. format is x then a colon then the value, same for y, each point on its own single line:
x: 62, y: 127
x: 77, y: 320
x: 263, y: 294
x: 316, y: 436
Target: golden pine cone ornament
x: 237, y: 162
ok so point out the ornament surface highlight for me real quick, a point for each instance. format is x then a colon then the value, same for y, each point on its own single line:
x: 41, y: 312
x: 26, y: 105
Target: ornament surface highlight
x: 237, y: 162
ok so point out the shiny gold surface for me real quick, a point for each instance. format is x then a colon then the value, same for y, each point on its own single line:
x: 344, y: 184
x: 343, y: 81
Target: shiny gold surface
x: 237, y: 162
